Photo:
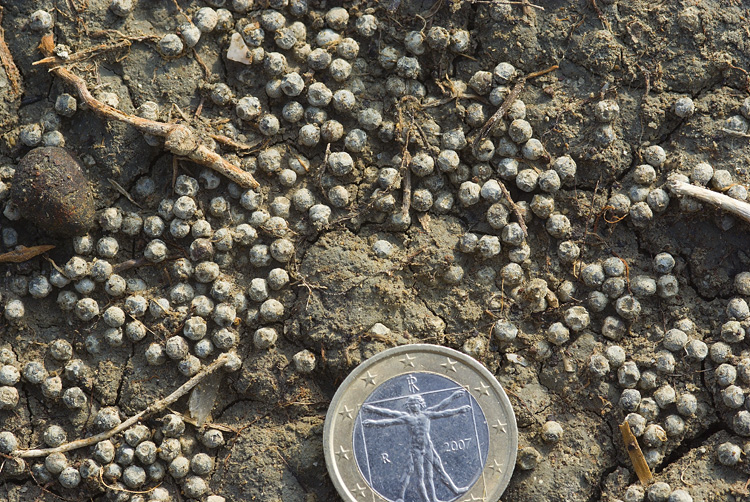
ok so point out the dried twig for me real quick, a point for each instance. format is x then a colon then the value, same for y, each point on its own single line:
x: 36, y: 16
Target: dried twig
x: 6, y: 59
x: 226, y: 140
x: 156, y: 407
x: 525, y: 3
x: 122, y: 43
x: 505, y: 106
x: 516, y: 210
x: 406, y: 175
x: 499, y: 114
x: 179, y: 139
x: 735, y: 133
x: 725, y: 202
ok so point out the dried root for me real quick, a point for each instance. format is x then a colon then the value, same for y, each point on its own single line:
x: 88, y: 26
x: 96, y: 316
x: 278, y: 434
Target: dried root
x: 179, y: 139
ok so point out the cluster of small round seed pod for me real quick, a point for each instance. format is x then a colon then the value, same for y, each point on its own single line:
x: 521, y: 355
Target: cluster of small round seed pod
x: 444, y: 178
x: 663, y: 416
x: 656, y: 492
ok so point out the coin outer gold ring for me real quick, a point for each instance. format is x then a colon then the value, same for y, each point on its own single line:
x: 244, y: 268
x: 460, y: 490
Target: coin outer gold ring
x: 466, y: 371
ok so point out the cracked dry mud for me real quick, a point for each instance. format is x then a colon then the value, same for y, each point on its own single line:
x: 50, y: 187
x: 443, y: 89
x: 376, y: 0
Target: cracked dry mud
x: 642, y: 55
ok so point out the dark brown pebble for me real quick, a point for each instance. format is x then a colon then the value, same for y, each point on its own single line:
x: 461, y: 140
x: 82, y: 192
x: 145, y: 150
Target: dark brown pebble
x: 52, y: 192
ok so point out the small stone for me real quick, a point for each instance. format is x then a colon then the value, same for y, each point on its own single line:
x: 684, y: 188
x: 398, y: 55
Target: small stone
x: 51, y: 191
x: 659, y: 492
x: 304, y: 361
x: 528, y: 458
x: 552, y: 432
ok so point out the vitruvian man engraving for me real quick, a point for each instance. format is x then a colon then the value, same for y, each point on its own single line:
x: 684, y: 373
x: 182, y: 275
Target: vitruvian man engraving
x: 424, y: 457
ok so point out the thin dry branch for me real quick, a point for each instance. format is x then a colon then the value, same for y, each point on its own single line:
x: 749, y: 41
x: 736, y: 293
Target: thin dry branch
x: 516, y: 209
x: 179, y: 139
x: 505, y: 106
x: 725, y: 202
x: 156, y: 407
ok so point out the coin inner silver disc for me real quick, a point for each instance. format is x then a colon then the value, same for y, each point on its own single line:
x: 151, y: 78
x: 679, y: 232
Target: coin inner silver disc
x: 420, y: 437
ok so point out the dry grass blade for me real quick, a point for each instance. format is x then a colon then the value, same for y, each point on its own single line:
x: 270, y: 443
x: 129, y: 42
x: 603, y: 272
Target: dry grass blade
x: 22, y: 253
x: 123, y: 192
x: 636, y: 455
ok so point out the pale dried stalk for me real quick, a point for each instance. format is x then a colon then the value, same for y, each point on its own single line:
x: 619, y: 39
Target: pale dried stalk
x: 179, y: 139
x: 725, y: 202
x: 156, y: 407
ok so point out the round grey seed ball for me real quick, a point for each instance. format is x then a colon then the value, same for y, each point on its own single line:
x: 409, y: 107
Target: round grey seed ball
x: 654, y: 436
x: 628, y: 375
x: 34, y: 372
x: 8, y: 442
x: 304, y: 362
x: 674, y: 425
x: 684, y: 107
x: 637, y: 424
x: 687, y: 405
x: 659, y: 492
x: 195, y: 487
x: 741, y: 423
x: 720, y: 352
x: 552, y: 431
x: 170, y: 45
x: 212, y: 438
x: 134, y: 476
x: 615, y: 355
x: 675, y: 340
x: 733, y: 397
x: 201, y: 464
x: 628, y: 307
x: 728, y: 454
x: 630, y: 399
x: 528, y: 458
x: 179, y: 467
x: 696, y: 349
x: 655, y: 155
x: 557, y: 334
x: 725, y: 374
x: 74, y: 398
x: 107, y: 418
x: 55, y: 462
x: 504, y: 331
x: 54, y: 436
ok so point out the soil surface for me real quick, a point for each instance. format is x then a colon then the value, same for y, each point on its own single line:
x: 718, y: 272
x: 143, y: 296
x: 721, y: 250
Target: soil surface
x: 414, y: 272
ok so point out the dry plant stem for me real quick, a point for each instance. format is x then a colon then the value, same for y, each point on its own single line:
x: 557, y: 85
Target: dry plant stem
x: 725, y: 202
x: 6, y: 59
x: 156, y: 407
x: 179, y: 139
x: 499, y: 114
x: 516, y: 210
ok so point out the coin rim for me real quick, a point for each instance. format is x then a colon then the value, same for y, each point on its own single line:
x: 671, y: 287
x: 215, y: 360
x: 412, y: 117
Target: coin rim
x: 469, y: 361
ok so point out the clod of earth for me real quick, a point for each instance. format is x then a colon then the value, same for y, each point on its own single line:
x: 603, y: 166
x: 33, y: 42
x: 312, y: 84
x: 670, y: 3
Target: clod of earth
x: 52, y: 192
